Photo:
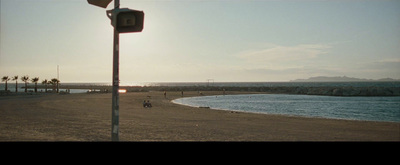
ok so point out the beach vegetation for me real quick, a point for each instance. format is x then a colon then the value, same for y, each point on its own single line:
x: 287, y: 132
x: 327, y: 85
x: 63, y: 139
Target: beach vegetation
x: 45, y: 82
x: 5, y: 79
x: 15, y: 78
x: 35, y: 80
x: 55, y: 83
x: 25, y: 79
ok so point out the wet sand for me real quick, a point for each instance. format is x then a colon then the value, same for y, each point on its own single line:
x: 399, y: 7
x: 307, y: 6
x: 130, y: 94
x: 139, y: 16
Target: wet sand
x: 87, y: 117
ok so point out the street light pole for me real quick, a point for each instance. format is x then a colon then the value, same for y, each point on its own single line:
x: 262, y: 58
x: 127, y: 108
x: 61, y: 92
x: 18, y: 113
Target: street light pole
x: 115, y: 84
x: 124, y: 21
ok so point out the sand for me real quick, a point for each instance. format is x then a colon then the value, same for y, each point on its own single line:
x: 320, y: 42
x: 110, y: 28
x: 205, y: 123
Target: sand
x: 87, y: 117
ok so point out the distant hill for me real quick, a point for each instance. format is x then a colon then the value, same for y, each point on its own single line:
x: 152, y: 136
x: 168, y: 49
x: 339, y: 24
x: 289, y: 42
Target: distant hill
x: 339, y: 79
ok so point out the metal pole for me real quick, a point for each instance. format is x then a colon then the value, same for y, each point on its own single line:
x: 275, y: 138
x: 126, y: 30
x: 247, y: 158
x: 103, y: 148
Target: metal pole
x: 58, y: 73
x: 115, y: 84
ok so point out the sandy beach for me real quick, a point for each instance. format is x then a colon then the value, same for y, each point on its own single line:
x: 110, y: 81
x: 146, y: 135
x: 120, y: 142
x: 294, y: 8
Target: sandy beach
x: 87, y: 117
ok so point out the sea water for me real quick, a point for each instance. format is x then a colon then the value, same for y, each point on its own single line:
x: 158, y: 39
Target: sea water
x: 352, y: 108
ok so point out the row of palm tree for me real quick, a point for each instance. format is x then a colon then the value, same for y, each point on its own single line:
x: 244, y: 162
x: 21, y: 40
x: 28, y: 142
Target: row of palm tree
x: 55, y: 82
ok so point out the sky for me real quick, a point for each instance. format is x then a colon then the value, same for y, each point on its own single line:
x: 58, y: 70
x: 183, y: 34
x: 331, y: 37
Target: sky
x: 196, y: 40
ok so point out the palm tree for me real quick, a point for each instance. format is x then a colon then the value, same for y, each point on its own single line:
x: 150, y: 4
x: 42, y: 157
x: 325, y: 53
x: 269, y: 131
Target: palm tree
x: 16, y: 83
x: 55, y: 82
x: 5, y: 78
x: 35, y: 80
x: 45, y: 82
x: 25, y: 79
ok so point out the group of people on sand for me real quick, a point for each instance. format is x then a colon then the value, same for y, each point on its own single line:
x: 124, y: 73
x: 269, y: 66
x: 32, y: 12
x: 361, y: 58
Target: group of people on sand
x: 147, y: 104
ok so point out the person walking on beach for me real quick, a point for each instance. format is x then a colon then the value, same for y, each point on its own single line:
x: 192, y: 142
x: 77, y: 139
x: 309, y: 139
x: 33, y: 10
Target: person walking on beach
x: 165, y: 94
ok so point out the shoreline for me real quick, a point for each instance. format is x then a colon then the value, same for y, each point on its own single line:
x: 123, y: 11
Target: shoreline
x: 264, y: 113
x: 287, y: 115
x: 87, y: 117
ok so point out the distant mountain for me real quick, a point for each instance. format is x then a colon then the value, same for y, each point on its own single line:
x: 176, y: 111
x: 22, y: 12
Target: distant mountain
x: 339, y: 79
x: 388, y: 79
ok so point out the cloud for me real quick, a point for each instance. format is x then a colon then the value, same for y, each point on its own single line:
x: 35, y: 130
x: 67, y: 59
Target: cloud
x: 290, y: 73
x: 389, y: 60
x: 278, y: 53
x: 386, y: 67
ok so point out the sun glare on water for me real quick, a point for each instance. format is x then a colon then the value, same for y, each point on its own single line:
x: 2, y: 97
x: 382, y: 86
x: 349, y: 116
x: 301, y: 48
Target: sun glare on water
x: 121, y: 90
